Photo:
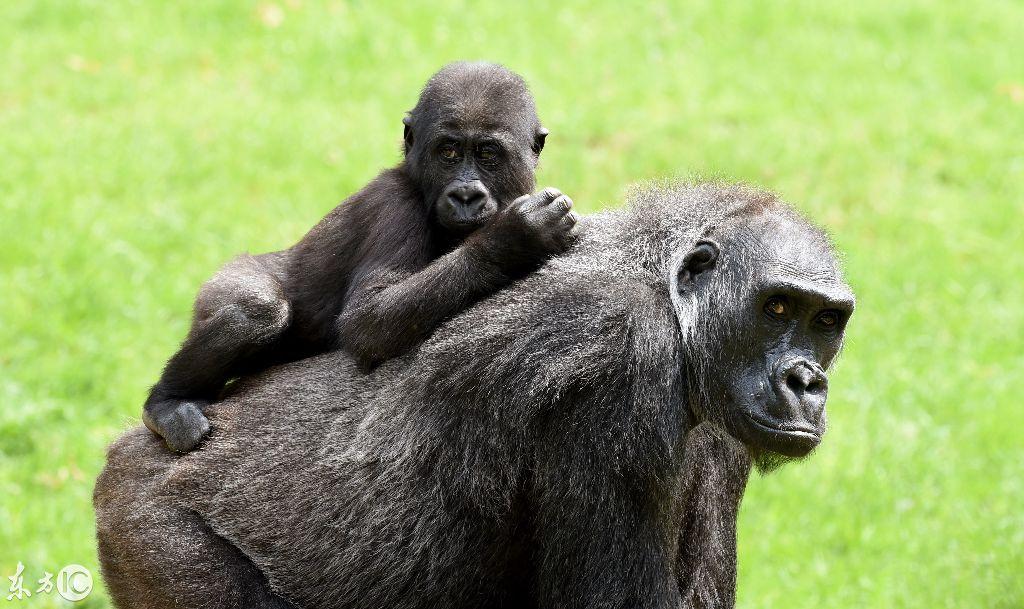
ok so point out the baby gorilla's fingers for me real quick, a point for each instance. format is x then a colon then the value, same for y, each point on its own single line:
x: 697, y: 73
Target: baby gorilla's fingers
x: 568, y: 231
x: 542, y: 221
x: 563, y: 202
x: 549, y: 194
x: 569, y: 220
x: 555, y: 211
x: 532, y: 203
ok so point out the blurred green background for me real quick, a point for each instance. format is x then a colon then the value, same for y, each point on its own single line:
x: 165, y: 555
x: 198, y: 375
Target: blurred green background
x: 142, y: 144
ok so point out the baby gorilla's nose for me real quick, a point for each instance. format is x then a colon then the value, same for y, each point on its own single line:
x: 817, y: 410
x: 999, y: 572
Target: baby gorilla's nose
x: 806, y: 384
x: 467, y: 199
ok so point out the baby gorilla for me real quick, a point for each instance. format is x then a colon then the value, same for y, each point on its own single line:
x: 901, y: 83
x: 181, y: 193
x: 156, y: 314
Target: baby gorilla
x: 390, y: 263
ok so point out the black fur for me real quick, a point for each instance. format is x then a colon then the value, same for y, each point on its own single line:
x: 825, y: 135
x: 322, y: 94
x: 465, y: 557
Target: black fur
x: 383, y: 269
x: 575, y: 440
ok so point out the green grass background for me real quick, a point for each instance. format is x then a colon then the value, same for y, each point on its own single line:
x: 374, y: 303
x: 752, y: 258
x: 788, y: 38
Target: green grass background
x: 142, y: 144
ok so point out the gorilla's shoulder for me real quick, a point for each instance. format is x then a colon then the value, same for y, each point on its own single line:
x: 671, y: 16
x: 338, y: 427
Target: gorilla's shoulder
x: 575, y: 325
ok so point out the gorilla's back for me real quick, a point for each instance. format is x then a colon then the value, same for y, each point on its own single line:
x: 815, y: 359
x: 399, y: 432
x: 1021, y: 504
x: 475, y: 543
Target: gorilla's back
x: 326, y: 478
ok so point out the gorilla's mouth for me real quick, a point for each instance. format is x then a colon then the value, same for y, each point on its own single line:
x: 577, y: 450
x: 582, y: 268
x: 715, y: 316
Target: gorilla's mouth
x: 458, y: 219
x: 782, y: 427
x: 792, y: 439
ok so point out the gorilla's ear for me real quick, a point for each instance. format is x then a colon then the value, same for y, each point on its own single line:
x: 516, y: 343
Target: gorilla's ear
x: 689, y: 267
x: 538, y: 140
x: 702, y: 257
x: 407, y: 133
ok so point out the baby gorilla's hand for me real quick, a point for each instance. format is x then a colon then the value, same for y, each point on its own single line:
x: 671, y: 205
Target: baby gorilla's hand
x: 527, y: 232
x: 180, y: 423
x: 546, y: 220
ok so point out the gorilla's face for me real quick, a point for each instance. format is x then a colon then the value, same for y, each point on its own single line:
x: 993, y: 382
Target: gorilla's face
x: 472, y: 143
x: 470, y: 171
x: 769, y: 309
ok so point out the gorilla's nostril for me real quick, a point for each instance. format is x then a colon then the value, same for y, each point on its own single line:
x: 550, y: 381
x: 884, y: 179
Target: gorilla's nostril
x: 804, y: 378
x: 470, y: 196
x: 795, y: 384
x: 474, y: 199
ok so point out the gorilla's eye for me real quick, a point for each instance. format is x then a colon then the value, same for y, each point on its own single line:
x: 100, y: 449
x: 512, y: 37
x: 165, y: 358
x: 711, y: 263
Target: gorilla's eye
x: 776, y: 306
x: 487, y: 152
x: 828, y: 319
x: 449, y: 152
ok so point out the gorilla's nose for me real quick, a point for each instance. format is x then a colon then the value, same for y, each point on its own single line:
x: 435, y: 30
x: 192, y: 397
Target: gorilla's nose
x: 467, y: 199
x: 805, y: 383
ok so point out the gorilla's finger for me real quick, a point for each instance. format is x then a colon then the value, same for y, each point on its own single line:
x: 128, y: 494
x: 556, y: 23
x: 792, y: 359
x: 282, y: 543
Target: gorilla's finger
x: 541, y: 200
x: 558, y: 208
x: 549, y: 194
x: 534, y: 202
x: 570, y: 219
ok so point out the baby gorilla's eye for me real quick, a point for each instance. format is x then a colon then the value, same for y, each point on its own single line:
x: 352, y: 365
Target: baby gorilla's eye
x: 448, y: 152
x: 776, y: 306
x: 487, y: 153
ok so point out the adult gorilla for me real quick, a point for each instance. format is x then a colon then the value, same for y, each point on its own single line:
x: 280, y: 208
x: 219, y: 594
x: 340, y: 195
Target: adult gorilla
x: 580, y: 439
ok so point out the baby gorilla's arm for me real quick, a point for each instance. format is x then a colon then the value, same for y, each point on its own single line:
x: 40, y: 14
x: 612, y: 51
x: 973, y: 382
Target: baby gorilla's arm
x: 388, y: 311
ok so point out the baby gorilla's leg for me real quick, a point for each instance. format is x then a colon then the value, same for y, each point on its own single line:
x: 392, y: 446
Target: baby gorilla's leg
x: 238, y: 313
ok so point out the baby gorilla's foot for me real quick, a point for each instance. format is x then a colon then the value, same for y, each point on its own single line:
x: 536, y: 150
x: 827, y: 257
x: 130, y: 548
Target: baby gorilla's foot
x: 181, y: 423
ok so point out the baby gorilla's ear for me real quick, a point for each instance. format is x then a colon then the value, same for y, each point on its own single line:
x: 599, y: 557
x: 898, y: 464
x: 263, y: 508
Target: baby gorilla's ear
x: 538, y: 140
x: 701, y: 258
x: 407, y: 133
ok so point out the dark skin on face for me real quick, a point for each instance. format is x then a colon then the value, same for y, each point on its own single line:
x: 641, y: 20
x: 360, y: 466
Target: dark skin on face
x: 451, y: 224
x: 462, y: 160
x: 788, y: 329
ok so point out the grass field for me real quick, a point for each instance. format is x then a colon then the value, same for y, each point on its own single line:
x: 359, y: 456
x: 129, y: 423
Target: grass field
x: 143, y: 143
